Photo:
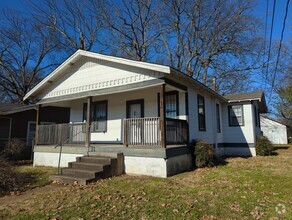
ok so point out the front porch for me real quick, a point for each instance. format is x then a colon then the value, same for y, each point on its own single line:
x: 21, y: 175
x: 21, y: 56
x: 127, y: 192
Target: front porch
x: 147, y: 125
x: 155, y: 116
x: 137, y: 132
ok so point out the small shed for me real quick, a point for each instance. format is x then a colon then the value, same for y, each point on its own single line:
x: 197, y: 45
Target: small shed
x: 274, y: 130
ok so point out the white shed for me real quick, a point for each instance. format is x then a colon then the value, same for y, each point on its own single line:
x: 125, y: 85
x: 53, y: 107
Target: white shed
x: 274, y: 130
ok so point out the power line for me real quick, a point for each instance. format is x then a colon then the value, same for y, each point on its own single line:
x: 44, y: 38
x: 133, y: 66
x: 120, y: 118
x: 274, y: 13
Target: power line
x: 270, y: 43
x: 281, y: 39
x: 280, y: 46
x: 265, y: 39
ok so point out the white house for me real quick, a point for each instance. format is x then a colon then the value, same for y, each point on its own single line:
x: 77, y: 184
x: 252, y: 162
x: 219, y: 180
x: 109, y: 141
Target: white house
x: 146, y: 111
x: 274, y: 130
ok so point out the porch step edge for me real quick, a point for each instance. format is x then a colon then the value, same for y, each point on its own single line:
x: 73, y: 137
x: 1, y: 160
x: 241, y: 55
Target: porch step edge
x: 79, y: 173
x: 71, y: 180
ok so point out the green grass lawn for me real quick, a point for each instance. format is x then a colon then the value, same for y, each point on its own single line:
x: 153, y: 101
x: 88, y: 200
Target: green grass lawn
x: 244, y: 188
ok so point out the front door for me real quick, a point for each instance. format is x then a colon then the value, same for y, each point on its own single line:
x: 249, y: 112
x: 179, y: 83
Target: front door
x: 135, y: 110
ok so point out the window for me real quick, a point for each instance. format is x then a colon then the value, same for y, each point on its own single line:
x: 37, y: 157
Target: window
x: 256, y: 116
x: 218, y: 118
x: 98, y: 116
x: 235, y: 115
x: 201, y: 113
x: 171, y: 104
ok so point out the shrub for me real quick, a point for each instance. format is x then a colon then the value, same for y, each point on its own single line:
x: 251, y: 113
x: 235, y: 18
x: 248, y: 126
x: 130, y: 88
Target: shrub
x: 14, y: 149
x: 263, y: 146
x: 205, y: 154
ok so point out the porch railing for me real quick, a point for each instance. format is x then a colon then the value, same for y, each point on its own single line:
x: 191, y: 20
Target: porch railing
x: 176, y: 131
x: 142, y: 131
x: 61, y: 134
x: 147, y: 131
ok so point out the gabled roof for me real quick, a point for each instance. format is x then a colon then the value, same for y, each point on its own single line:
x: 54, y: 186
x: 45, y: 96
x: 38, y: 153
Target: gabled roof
x: 53, y: 76
x: 249, y: 96
x: 10, y: 108
x: 59, y: 71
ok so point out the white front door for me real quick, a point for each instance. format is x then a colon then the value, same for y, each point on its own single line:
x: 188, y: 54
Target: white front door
x: 135, y: 110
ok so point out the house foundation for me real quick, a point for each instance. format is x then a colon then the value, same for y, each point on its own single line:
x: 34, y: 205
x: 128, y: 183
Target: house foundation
x: 158, y: 162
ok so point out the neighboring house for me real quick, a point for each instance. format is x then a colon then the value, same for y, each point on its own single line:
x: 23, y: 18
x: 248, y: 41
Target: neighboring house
x: 146, y: 111
x: 19, y: 121
x: 274, y: 130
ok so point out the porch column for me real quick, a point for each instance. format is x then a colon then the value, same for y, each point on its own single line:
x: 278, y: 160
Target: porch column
x: 37, y: 122
x: 162, y: 116
x: 88, y: 122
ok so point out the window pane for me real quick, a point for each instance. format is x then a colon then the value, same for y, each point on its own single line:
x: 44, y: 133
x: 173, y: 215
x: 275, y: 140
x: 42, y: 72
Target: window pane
x: 170, y: 106
x: 98, y: 116
x: 201, y: 113
x: 235, y: 115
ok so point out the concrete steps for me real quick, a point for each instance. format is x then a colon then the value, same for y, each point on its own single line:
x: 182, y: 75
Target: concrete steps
x: 90, y: 168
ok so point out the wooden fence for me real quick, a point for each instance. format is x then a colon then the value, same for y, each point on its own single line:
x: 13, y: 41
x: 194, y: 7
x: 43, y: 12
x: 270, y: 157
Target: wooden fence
x: 57, y: 134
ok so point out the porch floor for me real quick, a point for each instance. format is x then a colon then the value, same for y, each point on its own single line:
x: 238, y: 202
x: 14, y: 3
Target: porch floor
x: 139, y: 151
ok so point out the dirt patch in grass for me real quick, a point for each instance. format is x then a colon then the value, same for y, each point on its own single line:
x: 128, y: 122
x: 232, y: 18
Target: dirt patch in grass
x: 17, y: 178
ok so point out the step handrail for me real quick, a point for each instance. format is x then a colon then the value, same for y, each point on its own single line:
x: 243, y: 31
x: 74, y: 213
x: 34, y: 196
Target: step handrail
x: 61, y: 147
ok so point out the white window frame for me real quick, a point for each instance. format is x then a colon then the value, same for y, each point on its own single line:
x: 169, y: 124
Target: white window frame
x: 235, y: 112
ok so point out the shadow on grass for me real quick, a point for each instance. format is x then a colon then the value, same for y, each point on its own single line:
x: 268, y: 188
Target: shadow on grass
x: 274, y: 153
x: 281, y: 147
x: 220, y: 161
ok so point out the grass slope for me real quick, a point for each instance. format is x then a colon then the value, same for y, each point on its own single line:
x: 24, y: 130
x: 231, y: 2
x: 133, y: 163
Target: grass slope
x: 245, y: 188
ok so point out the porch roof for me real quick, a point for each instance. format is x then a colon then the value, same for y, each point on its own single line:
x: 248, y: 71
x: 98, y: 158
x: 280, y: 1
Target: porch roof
x: 105, y: 91
x: 10, y: 108
x: 57, y: 73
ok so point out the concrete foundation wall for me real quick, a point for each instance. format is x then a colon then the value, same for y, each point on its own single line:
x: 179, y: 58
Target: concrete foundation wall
x: 239, y: 151
x: 146, y: 166
x: 52, y: 159
x: 179, y: 164
x: 158, y: 167
x: 159, y: 162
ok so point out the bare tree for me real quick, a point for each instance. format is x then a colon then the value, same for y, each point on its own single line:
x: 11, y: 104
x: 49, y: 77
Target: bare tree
x: 75, y: 23
x: 24, y: 47
x: 212, y: 38
x: 131, y: 28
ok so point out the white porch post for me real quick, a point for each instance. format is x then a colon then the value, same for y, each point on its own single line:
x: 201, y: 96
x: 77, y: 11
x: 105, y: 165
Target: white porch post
x: 88, y: 121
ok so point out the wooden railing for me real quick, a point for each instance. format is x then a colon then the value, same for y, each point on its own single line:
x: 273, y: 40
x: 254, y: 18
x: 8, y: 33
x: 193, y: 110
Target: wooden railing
x: 176, y: 131
x: 61, y: 134
x: 142, y: 131
x: 147, y: 132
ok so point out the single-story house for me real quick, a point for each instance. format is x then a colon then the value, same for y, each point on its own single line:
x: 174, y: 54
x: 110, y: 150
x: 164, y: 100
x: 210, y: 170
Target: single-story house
x: 274, y: 130
x: 147, y: 112
x: 18, y: 121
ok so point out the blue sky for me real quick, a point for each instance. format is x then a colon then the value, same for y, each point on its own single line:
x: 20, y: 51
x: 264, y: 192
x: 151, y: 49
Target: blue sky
x: 259, y: 11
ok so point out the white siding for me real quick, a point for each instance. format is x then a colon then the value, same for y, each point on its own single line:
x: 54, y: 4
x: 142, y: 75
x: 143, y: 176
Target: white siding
x: 210, y: 135
x: 274, y: 131
x: 239, y: 134
x: 117, y: 111
x: 93, y: 74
